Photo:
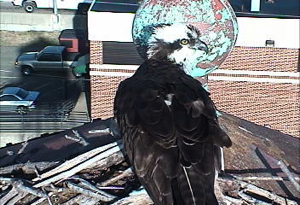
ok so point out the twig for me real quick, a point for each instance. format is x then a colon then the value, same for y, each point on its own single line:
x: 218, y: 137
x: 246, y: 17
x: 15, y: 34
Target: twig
x: 77, y: 138
x: 88, y: 193
x: 127, y: 173
x: 11, y: 194
x: 289, y: 175
x: 24, y: 145
x: 85, y: 184
x: 104, y: 131
x: 25, y: 188
x: 15, y: 199
x: 75, y: 161
x: 19, y: 185
x: 251, y: 200
x: 21, y: 189
x: 273, y: 178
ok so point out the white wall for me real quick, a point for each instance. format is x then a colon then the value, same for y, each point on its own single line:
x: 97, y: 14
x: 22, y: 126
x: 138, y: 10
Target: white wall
x: 107, y: 26
x: 253, y: 32
x: 39, y: 22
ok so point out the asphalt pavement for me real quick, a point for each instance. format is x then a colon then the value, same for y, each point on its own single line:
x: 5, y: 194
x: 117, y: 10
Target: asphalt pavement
x: 62, y: 104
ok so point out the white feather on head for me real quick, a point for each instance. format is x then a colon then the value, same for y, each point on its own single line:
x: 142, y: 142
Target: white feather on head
x: 187, y: 56
x: 170, y: 33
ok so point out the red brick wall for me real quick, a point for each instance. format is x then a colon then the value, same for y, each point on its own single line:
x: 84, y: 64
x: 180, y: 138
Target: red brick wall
x: 270, y: 104
x: 102, y: 95
x: 275, y: 105
x: 96, y: 52
x: 262, y: 59
x: 103, y: 88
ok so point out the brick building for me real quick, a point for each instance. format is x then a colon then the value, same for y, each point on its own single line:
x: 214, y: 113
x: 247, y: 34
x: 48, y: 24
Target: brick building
x: 258, y: 82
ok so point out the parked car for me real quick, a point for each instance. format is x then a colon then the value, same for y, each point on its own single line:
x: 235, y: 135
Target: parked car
x: 18, y: 99
x: 53, y: 58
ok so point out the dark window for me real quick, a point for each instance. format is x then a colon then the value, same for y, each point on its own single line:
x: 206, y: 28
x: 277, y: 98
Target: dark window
x: 49, y: 57
x: 113, y: 53
x: 267, y: 8
x: 280, y: 7
x: 241, y: 5
x: 9, y: 98
x: 118, y: 6
x: 22, y: 93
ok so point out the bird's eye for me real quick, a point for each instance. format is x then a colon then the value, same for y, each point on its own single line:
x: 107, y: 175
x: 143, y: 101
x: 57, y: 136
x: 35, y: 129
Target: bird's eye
x: 184, y: 41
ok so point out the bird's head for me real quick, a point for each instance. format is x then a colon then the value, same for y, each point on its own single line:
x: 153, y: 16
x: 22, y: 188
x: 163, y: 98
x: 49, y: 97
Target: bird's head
x: 178, y: 43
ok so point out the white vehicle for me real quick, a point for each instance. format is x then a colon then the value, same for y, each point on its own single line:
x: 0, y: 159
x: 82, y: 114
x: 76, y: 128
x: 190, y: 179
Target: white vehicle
x: 31, y: 5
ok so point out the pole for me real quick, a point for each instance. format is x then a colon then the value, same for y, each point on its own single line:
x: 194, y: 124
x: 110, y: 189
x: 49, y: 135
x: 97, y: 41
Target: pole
x: 55, y: 7
x: 56, y: 17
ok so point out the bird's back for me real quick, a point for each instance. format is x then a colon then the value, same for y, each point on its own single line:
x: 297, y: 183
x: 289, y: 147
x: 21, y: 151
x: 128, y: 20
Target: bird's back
x: 170, y: 132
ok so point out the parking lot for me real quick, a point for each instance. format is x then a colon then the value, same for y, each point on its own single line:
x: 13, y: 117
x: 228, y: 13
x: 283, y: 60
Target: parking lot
x: 60, y: 92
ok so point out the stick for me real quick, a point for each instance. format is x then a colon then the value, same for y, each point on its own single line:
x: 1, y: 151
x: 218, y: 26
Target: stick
x: 77, y: 138
x: 15, y: 199
x: 264, y: 178
x: 26, y: 189
x: 127, y: 173
x: 251, y: 200
x: 19, y: 185
x: 79, y: 167
x: 85, y: 184
x: 114, y: 159
x: 11, y: 194
x: 24, y: 145
x: 19, y: 191
x: 289, y: 175
x: 75, y: 161
x: 88, y: 193
x: 104, y: 131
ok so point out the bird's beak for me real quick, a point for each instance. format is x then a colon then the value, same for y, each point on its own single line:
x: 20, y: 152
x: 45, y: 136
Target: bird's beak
x: 200, y: 45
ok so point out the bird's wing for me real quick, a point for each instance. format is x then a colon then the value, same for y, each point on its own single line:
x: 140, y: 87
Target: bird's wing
x: 170, y: 145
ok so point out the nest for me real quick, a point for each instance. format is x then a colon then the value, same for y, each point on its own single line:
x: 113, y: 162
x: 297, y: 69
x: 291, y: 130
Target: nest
x: 97, y: 173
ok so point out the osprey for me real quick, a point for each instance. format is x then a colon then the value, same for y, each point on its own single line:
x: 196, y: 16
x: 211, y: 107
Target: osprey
x: 168, y: 122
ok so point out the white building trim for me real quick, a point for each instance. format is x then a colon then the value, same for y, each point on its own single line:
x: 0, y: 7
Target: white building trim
x: 110, y: 74
x: 210, y: 77
x: 265, y: 73
x: 256, y: 80
x: 114, y: 66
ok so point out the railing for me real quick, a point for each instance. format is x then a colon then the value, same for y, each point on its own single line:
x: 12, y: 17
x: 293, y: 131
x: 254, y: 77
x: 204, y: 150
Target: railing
x: 41, y: 122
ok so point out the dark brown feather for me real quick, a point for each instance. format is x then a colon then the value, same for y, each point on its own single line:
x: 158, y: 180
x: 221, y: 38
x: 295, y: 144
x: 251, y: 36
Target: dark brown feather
x: 170, y: 146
